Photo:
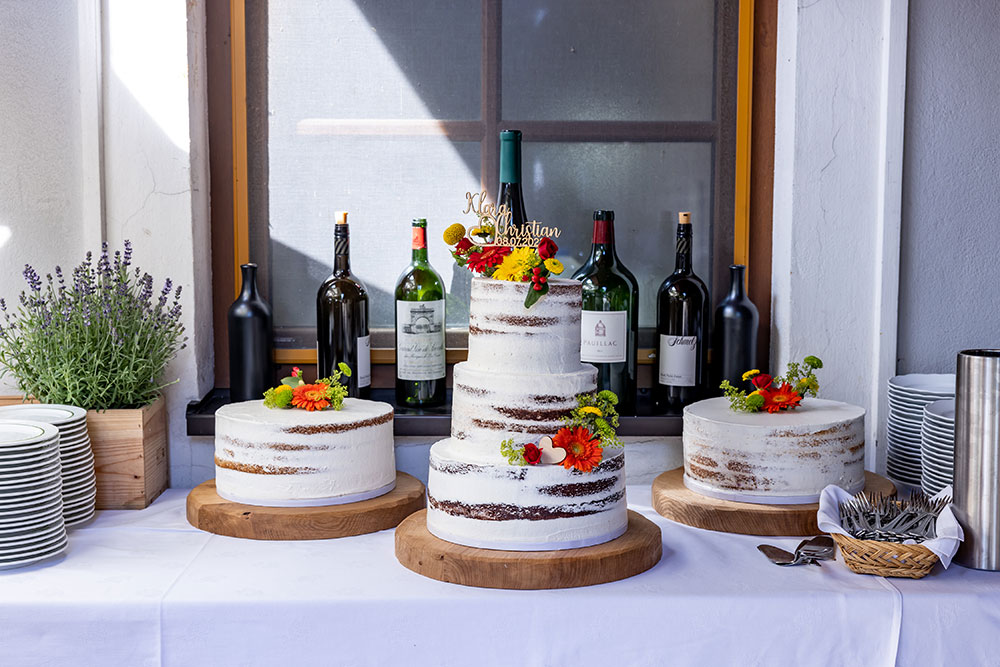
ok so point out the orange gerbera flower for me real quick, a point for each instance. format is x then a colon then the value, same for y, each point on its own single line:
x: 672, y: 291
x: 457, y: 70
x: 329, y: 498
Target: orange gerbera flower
x: 310, y: 397
x: 782, y: 398
x: 583, y: 450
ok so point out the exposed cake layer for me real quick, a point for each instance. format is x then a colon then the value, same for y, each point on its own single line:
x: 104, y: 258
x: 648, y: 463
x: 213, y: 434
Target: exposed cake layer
x: 265, y: 456
x: 504, y: 336
x: 489, y: 407
x: 524, y: 508
x: 787, y: 456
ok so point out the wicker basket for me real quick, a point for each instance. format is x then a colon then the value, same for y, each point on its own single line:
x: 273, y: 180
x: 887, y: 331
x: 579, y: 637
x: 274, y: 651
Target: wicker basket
x: 886, y: 559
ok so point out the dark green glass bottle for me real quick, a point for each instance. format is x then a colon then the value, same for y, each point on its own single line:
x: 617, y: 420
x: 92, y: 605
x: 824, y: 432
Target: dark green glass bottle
x: 420, y: 329
x: 682, y: 325
x: 610, y: 318
x: 342, y: 319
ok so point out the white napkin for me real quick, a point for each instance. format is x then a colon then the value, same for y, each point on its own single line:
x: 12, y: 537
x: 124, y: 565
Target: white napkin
x: 949, y: 533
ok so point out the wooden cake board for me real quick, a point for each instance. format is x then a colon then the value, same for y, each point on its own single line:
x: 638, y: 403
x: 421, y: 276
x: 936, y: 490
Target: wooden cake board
x: 678, y: 503
x: 212, y: 513
x: 636, y: 551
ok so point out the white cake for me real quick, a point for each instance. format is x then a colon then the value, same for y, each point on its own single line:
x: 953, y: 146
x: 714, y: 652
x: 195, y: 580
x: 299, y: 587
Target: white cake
x: 296, y: 458
x: 786, y: 457
x: 522, y: 377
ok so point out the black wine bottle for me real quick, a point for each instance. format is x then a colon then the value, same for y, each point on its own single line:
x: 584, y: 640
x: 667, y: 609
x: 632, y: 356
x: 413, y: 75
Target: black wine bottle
x: 682, y: 327
x: 510, y: 176
x: 342, y: 319
x: 251, y: 370
x: 734, y: 333
x: 420, y: 351
x: 610, y: 318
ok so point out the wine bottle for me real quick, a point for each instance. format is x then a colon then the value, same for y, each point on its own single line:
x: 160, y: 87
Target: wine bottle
x: 734, y: 333
x: 682, y: 327
x: 342, y: 319
x: 251, y: 370
x: 610, y: 318
x: 510, y: 176
x: 420, y: 359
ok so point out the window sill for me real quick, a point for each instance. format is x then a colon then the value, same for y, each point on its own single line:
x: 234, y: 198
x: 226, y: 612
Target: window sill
x: 436, y: 422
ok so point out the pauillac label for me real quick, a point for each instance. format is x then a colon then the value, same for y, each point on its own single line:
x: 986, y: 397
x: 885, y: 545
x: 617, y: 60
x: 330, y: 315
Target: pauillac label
x: 678, y: 360
x: 604, y: 336
x: 420, y: 340
x: 364, y: 370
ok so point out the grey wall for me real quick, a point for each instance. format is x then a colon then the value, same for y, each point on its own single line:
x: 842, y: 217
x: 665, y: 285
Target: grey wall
x: 949, y: 273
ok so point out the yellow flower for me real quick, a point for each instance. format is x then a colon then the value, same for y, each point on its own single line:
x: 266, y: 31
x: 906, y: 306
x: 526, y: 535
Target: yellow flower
x: 517, y: 264
x: 592, y: 410
x: 554, y: 265
x: 755, y: 392
x: 750, y: 374
x: 454, y: 233
x: 283, y: 387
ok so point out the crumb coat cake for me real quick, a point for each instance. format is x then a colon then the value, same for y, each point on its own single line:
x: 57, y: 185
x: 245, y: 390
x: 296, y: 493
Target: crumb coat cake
x: 783, y: 458
x: 295, y: 458
x: 522, y: 377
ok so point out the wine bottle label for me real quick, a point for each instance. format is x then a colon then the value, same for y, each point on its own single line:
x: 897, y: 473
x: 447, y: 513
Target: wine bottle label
x: 420, y: 340
x: 364, y: 369
x: 678, y: 360
x: 419, y: 238
x: 604, y: 336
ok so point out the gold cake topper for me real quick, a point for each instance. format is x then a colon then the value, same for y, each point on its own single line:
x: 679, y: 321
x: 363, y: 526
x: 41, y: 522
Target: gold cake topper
x: 495, y: 226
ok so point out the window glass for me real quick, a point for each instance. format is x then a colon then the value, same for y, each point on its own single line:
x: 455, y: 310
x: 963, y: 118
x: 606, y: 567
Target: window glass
x: 600, y: 60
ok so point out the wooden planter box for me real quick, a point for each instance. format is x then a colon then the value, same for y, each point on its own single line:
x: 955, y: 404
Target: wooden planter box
x: 130, y: 454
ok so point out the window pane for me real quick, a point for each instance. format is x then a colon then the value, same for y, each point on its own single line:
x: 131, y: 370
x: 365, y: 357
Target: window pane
x: 383, y: 182
x: 374, y: 59
x: 600, y: 60
x: 644, y: 184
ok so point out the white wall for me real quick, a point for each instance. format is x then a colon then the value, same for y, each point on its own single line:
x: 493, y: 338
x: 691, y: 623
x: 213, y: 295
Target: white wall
x: 949, y: 278
x: 104, y: 136
x: 41, y: 148
x: 838, y: 120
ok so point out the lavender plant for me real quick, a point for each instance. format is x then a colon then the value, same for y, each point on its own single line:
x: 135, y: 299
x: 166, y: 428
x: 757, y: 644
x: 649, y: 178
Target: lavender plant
x: 100, y: 342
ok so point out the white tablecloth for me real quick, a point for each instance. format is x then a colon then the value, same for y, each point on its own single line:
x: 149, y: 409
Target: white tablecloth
x: 145, y: 588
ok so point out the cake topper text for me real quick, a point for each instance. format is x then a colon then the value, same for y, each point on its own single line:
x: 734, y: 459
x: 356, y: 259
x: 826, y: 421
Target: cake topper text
x: 495, y: 226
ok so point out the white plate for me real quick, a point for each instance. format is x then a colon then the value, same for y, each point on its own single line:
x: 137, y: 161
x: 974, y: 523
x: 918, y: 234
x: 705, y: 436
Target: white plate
x: 22, y: 432
x: 900, y: 420
x: 14, y: 478
x: 80, y: 499
x: 35, y: 463
x: 896, y: 435
x: 35, y: 550
x: 943, y: 410
x: 937, y: 429
x: 928, y: 383
x: 29, y: 519
x: 83, y: 518
x: 56, y: 550
x: 904, y: 465
x: 57, y: 415
x: 29, y: 535
x: 18, y: 497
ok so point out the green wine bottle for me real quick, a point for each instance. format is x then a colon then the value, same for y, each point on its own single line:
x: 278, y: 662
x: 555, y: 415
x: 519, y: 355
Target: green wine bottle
x: 610, y: 319
x: 342, y: 319
x: 420, y: 358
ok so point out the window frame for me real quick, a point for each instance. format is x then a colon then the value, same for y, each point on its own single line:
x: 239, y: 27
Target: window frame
x: 743, y: 128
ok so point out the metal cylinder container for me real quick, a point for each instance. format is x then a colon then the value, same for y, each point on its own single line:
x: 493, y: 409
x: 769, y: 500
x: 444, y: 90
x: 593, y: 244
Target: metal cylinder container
x: 977, y: 458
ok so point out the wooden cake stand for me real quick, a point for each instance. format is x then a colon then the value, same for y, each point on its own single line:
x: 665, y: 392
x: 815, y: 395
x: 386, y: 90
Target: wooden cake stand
x: 678, y: 503
x: 212, y: 513
x: 636, y: 551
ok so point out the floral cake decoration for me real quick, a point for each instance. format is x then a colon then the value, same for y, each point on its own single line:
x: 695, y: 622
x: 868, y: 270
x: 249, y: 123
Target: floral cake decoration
x: 775, y: 394
x: 579, y: 445
x: 293, y: 392
x: 497, y: 249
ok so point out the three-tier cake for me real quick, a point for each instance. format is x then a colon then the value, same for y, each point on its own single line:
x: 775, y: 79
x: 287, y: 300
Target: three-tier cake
x: 522, y: 377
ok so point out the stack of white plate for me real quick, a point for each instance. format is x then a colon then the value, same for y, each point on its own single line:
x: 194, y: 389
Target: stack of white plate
x: 908, y: 394
x: 79, y: 482
x: 937, y: 445
x: 32, y: 527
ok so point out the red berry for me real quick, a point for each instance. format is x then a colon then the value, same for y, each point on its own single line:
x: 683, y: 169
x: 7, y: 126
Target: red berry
x: 536, y: 270
x: 525, y: 279
x: 538, y: 288
x: 542, y: 279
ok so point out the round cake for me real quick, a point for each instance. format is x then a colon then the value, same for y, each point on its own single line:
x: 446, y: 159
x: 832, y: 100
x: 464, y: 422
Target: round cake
x: 522, y: 377
x: 787, y: 457
x: 296, y: 458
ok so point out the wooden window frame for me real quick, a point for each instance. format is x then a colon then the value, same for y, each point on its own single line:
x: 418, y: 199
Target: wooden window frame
x: 750, y: 138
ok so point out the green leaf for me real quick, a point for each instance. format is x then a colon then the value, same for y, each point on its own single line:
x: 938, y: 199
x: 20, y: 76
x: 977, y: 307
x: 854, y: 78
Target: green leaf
x: 534, y: 295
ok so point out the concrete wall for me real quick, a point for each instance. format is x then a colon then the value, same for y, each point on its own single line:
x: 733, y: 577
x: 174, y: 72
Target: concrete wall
x: 949, y: 279
x: 41, y: 151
